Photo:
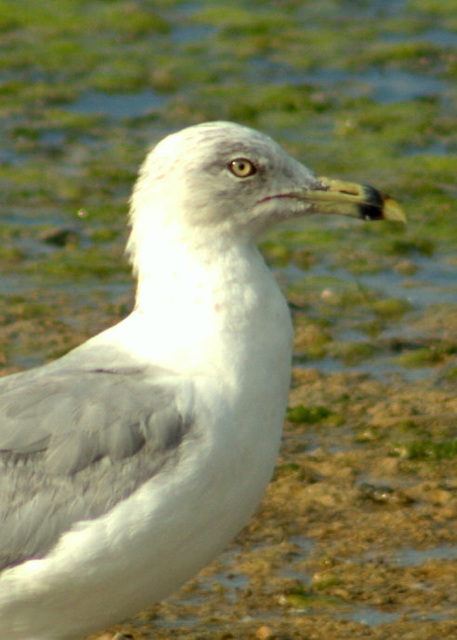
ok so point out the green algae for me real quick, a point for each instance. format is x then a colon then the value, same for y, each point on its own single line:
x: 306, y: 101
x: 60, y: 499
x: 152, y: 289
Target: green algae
x: 309, y: 415
x: 74, y: 263
x: 431, y: 450
x: 315, y: 76
x: 427, y: 356
x: 352, y: 353
x: 391, y: 308
x: 310, y: 599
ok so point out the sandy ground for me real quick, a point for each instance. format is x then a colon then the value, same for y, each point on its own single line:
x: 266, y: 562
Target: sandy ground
x: 356, y: 535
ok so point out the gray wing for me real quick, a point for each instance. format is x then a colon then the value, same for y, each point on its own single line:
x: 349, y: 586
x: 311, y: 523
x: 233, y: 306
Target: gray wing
x: 74, y: 441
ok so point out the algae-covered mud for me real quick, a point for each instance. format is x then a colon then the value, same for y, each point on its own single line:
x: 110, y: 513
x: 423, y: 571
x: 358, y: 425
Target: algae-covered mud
x: 356, y: 536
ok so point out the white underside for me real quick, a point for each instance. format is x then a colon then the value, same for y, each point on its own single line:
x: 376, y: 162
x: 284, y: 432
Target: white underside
x: 147, y: 546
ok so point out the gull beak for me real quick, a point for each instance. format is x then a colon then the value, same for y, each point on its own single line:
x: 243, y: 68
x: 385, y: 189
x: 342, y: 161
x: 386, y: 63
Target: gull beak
x: 351, y: 199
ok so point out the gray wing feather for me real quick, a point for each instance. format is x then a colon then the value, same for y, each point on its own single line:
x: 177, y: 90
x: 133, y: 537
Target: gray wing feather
x: 75, y: 441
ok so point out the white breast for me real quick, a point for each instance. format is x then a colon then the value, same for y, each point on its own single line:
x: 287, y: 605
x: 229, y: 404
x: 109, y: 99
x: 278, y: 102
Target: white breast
x: 235, y: 344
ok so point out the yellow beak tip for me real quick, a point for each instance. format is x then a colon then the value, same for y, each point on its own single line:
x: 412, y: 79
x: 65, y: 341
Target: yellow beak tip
x: 393, y: 212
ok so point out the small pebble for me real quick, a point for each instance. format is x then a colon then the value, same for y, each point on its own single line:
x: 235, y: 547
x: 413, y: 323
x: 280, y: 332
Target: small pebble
x: 264, y: 633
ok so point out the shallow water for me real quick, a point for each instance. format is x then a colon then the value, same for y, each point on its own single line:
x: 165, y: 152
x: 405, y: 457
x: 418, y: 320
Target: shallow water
x: 363, y: 90
x: 118, y: 105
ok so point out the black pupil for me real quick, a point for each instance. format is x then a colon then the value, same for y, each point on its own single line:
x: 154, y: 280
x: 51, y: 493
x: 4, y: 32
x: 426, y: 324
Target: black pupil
x: 242, y: 167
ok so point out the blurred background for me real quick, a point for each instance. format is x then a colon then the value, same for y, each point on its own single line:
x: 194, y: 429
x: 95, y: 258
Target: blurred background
x: 361, y: 90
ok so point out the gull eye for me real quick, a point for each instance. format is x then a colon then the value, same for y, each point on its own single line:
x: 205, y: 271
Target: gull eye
x: 242, y: 167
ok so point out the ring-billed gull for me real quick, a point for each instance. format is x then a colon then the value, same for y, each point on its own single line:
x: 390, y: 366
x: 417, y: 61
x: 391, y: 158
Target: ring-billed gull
x: 132, y: 461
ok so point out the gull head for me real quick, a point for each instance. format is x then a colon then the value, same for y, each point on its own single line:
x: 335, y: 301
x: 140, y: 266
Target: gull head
x: 224, y: 179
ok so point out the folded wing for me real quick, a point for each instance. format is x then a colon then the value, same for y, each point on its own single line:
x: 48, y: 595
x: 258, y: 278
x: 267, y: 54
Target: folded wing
x: 75, y: 441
